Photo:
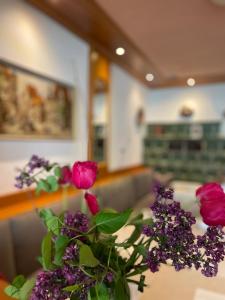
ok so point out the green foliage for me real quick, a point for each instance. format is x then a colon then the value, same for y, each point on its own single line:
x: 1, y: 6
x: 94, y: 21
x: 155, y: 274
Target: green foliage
x: 42, y: 185
x: 20, y: 288
x: 46, y: 251
x: 57, y: 171
x: 51, y: 221
x: 60, y: 246
x: 27, y: 288
x: 87, y: 257
x: 12, y: 292
x: 99, y: 292
x: 121, y: 291
x: 108, y: 222
x: 53, y: 183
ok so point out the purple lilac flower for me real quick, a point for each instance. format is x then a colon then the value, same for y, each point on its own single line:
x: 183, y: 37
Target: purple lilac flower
x: 109, y: 277
x: 49, y: 284
x: 74, y: 224
x: 71, y: 253
x: 172, y: 231
x: 24, y: 178
x: 37, y: 162
x: 212, y: 242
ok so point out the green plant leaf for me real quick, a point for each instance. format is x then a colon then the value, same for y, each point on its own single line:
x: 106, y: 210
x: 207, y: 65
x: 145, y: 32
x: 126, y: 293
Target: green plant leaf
x: 12, y: 291
x: 27, y: 288
x: 60, y: 246
x: 57, y: 171
x: 111, y: 222
x: 53, y: 183
x: 72, y: 288
x: 134, y: 236
x: 141, y: 284
x: 99, y: 292
x: 54, y: 225
x: 122, y: 291
x: 87, y: 257
x: 46, y: 251
x: 42, y: 185
x: 45, y: 214
x: 19, y: 281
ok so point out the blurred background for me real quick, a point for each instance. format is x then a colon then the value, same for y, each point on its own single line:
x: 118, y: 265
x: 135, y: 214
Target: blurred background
x: 136, y: 85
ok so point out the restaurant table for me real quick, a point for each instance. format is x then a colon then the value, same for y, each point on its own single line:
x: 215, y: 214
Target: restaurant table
x: 3, y: 284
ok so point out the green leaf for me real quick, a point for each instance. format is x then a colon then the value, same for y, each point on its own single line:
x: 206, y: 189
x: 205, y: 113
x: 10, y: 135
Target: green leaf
x: 53, y: 183
x: 111, y: 222
x: 72, y: 288
x: 60, y: 246
x: 134, y: 236
x: 42, y: 185
x: 122, y: 290
x: 141, y: 284
x: 27, y: 288
x: 99, y: 292
x: 12, y: 291
x: 87, y: 257
x: 46, y: 250
x: 45, y: 214
x: 136, y: 218
x: 57, y: 171
x: 53, y: 225
x: 19, y: 281
x: 148, y: 221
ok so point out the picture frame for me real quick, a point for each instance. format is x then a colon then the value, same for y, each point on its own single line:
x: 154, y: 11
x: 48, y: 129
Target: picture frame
x: 33, y: 106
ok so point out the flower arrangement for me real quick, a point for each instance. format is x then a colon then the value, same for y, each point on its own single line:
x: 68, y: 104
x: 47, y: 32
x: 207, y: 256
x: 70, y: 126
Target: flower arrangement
x: 81, y: 257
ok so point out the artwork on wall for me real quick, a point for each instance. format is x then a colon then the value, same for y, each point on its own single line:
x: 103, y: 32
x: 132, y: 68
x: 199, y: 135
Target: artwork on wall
x: 33, y: 106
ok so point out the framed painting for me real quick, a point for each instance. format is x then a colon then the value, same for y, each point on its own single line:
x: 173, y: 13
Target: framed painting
x: 34, y: 106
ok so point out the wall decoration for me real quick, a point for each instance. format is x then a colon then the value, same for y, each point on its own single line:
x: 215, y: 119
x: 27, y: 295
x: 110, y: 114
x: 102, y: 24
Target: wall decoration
x: 186, y: 112
x: 33, y: 106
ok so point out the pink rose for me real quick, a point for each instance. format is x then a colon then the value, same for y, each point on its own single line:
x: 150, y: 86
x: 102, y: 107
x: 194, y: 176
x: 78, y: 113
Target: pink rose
x: 84, y: 174
x: 92, y: 203
x: 209, y: 192
x: 212, y: 202
x: 66, y: 175
x: 213, y: 213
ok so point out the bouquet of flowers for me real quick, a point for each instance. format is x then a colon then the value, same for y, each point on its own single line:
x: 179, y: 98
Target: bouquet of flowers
x: 81, y: 256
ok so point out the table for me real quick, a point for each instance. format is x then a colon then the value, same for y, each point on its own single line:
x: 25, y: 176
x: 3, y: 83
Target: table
x: 3, y: 284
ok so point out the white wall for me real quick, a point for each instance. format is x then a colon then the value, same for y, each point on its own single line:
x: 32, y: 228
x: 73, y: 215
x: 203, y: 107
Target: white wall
x: 207, y: 101
x: 100, y: 109
x: 30, y: 39
x: 127, y: 96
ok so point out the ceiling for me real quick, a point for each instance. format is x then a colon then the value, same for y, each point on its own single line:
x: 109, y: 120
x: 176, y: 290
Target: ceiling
x: 180, y: 38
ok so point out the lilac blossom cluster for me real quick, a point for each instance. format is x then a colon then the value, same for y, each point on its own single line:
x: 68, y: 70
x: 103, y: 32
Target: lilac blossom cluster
x: 50, y: 284
x: 75, y: 224
x: 175, y: 240
x: 25, y: 178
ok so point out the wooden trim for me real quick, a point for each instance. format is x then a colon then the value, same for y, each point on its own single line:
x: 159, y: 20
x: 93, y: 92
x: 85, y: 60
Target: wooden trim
x: 88, y: 20
x: 26, y: 200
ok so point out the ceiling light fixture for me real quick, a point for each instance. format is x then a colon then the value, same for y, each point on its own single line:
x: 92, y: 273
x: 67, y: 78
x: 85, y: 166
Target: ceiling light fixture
x: 149, y: 77
x: 120, y: 51
x: 191, y: 82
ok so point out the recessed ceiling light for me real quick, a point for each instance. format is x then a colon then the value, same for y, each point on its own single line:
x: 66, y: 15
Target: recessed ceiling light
x: 191, y: 82
x: 149, y: 77
x: 120, y: 51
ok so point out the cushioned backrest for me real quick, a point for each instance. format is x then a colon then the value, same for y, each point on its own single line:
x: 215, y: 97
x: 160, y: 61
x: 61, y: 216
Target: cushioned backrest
x: 7, y: 267
x: 119, y: 194
x: 27, y: 232
x: 143, y: 183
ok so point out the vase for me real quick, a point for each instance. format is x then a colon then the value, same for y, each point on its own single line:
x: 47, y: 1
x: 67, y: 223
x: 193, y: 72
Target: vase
x: 134, y: 293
